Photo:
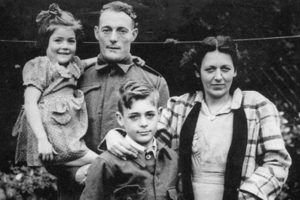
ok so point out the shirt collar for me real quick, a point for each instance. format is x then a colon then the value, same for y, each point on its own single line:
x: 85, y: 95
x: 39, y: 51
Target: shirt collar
x: 237, y: 99
x: 141, y: 148
x: 124, y: 65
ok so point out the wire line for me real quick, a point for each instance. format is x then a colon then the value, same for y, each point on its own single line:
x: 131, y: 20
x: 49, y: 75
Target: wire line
x: 173, y: 41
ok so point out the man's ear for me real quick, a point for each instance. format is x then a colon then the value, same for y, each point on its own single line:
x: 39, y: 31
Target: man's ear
x: 120, y: 118
x: 96, y: 32
x: 160, y: 110
x: 135, y: 32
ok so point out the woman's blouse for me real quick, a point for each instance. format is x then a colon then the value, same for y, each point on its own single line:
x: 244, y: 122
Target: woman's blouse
x: 210, y: 148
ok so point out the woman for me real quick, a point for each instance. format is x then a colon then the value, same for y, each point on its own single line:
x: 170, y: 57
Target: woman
x: 229, y: 141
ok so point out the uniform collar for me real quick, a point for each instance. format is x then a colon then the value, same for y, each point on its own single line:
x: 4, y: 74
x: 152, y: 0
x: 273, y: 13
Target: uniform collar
x: 124, y: 65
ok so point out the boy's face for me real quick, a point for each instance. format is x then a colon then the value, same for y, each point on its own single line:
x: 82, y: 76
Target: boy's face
x: 115, y: 34
x: 140, y: 121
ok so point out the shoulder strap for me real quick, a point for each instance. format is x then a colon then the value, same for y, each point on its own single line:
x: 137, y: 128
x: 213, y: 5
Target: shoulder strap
x: 148, y: 69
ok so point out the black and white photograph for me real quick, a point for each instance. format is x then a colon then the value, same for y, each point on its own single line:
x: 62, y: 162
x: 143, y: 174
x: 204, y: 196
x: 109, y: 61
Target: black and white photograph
x: 150, y: 100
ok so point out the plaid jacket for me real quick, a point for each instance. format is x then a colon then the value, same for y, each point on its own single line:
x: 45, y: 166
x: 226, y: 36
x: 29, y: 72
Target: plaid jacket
x: 266, y: 161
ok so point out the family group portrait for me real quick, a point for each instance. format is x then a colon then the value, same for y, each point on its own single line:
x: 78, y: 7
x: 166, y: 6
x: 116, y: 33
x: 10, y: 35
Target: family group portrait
x: 150, y: 100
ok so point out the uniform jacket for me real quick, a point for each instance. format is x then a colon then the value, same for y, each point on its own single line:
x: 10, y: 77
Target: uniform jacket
x: 100, y: 84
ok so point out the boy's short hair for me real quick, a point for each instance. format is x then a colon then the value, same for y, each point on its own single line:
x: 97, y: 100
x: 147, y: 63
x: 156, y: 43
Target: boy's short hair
x: 119, y: 6
x: 134, y: 90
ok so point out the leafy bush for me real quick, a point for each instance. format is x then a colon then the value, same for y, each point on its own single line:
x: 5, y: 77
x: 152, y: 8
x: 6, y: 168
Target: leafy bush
x: 290, y: 128
x: 27, y: 183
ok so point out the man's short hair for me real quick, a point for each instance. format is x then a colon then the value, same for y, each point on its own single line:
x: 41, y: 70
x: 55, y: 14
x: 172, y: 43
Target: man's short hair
x: 119, y: 6
x: 132, y: 91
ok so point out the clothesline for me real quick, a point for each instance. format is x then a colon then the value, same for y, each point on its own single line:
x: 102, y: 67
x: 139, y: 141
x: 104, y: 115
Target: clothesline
x: 174, y: 41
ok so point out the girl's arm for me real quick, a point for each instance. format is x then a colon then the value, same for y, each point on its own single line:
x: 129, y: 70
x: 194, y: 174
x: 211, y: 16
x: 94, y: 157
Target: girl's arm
x: 90, y: 61
x: 32, y: 112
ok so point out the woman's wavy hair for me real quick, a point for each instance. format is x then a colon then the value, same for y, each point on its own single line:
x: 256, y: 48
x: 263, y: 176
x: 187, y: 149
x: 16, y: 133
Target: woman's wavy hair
x: 48, y: 20
x: 192, y: 60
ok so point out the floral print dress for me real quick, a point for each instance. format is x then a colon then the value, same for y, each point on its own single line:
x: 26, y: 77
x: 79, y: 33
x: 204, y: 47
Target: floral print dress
x: 62, y: 108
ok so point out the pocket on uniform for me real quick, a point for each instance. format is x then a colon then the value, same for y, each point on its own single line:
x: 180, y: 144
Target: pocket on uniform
x: 172, y: 194
x: 130, y: 192
x: 60, y: 113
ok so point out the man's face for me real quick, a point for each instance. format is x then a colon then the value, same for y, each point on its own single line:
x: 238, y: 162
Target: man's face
x: 140, y: 121
x: 115, y: 34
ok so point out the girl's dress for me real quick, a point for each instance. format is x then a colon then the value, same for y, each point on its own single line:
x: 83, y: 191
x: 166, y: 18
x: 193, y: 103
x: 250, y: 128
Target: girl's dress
x: 62, y: 109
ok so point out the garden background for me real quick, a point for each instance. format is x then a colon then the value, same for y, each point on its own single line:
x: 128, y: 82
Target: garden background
x: 269, y: 65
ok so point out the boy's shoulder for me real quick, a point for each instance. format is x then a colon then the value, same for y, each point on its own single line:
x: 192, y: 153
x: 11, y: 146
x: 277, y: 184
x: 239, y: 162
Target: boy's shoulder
x: 163, y: 148
x: 111, y: 159
x: 107, y: 156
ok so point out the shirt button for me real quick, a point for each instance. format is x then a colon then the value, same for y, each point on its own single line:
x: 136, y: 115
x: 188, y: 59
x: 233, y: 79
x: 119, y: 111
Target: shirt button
x: 148, y: 156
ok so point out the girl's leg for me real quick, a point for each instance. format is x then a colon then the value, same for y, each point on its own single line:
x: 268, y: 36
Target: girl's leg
x: 86, y: 159
x: 84, y: 164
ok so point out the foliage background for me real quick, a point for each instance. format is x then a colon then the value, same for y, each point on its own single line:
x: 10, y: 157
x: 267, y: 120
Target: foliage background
x: 269, y: 66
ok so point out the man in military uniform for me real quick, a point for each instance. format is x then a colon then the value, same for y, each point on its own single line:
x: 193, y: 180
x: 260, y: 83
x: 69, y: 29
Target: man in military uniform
x: 116, y: 30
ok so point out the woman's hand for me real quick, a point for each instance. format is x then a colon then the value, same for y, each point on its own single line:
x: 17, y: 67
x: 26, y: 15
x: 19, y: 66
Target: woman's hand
x: 45, y: 150
x: 244, y: 195
x: 117, y: 144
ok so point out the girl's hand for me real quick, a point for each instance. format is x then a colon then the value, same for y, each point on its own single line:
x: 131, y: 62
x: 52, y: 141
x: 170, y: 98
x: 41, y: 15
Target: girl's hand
x: 138, y: 60
x: 118, y: 146
x: 45, y: 150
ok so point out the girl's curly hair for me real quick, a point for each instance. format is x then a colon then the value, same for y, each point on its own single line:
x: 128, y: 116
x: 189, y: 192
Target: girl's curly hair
x: 48, y: 20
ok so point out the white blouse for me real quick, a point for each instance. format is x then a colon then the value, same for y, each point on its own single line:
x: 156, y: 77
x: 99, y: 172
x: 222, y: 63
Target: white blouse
x: 211, y: 143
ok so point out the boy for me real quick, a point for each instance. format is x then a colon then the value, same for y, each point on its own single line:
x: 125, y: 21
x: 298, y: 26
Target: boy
x: 153, y: 174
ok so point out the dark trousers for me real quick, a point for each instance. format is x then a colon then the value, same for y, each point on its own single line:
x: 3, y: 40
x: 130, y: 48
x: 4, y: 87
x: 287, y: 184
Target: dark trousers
x: 68, y: 188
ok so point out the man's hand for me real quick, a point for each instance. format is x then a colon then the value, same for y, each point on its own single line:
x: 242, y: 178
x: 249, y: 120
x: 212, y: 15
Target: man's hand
x: 117, y: 145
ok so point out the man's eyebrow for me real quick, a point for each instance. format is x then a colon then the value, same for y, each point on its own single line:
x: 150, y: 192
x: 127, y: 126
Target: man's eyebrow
x: 134, y: 113
x: 119, y: 27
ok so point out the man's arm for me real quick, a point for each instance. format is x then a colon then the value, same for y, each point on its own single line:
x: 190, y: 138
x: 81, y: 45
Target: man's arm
x: 164, y: 93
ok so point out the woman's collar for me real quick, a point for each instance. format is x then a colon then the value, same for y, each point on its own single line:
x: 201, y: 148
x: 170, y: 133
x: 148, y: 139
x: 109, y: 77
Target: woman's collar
x: 236, y: 102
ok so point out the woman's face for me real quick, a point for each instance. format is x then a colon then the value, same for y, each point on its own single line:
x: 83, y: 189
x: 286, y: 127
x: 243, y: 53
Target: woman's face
x: 217, y: 73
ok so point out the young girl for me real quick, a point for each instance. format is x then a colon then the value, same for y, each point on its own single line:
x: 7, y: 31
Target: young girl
x: 52, y: 127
